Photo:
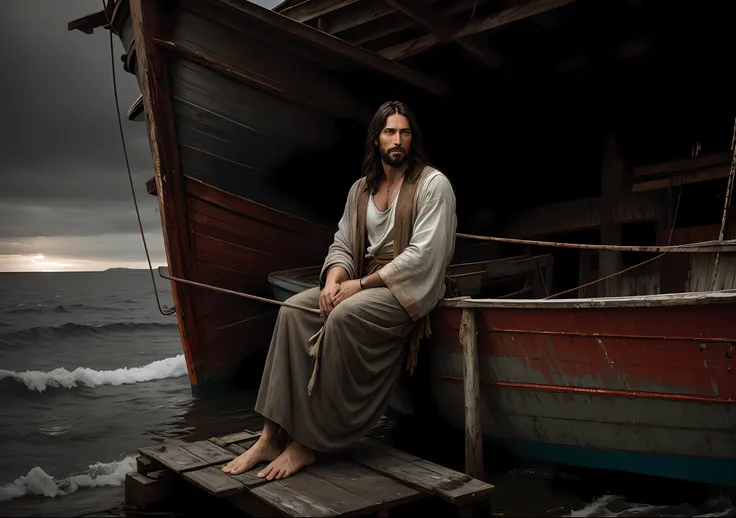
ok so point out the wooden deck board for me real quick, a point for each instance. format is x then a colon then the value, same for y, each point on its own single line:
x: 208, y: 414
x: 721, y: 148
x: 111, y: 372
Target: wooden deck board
x: 214, y: 481
x: 326, y: 493
x: 368, y: 478
x: 249, y: 478
x: 208, y: 450
x: 452, y: 486
x: 175, y: 458
x: 290, y: 502
x: 366, y: 483
x: 234, y: 438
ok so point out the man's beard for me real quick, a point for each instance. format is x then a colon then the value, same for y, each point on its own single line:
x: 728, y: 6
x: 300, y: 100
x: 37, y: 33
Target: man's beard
x: 394, y: 161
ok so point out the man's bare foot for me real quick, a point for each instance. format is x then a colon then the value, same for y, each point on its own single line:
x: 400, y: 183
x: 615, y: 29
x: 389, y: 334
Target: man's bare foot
x: 294, y: 458
x: 262, y: 450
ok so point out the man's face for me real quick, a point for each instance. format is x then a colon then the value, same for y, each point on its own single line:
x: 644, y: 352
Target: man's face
x: 394, y: 141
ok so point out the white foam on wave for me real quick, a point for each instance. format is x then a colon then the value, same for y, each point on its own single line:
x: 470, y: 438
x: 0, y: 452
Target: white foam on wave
x: 615, y: 505
x: 38, y: 380
x: 38, y: 482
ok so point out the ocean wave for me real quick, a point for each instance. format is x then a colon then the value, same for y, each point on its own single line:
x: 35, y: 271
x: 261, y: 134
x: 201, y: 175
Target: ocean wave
x: 38, y: 482
x: 60, y: 308
x: 615, y: 505
x: 81, y: 376
x: 71, y: 329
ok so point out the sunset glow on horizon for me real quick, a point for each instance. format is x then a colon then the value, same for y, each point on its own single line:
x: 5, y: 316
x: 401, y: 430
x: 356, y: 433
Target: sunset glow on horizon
x: 43, y: 263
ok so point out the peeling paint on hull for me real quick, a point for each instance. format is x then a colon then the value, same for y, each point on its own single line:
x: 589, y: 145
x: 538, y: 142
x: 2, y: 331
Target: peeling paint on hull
x: 645, y: 390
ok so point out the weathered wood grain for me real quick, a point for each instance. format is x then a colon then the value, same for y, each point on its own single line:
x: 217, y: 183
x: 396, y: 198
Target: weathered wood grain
x: 144, y: 491
x: 207, y: 450
x: 250, y: 478
x: 214, y: 481
x: 452, y: 486
x: 365, y: 483
x: 290, y: 502
x: 473, y: 434
x: 224, y: 440
x: 176, y: 458
x: 332, y: 496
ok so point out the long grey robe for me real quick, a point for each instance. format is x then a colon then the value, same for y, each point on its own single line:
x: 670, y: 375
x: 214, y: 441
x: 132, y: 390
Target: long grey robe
x: 365, y: 336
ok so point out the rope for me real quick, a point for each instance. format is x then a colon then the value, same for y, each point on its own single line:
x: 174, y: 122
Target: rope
x: 702, y: 247
x: 169, y: 311
x: 669, y: 240
x: 726, y: 205
x: 607, y: 276
x: 240, y: 294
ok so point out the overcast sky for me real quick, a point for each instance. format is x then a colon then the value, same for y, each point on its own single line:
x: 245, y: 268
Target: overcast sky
x: 65, y: 200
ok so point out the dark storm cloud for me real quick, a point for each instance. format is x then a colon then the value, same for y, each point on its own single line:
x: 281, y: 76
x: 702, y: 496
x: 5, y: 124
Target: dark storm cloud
x: 62, y: 170
x: 62, y: 167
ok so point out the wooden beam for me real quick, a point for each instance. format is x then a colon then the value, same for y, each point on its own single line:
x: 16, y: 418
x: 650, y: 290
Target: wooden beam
x: 393, y: 25
x: 148, y: 19
x: 682, y: 165
x: 581, y: 214
x: 444, y: 27
x: 510, y: 15
x: 335, y: 45
x: 361, y: 14
x: 613, y: 174
x: 704, y: 175
x: 309, y: 10
x: 471, y: 382
x: 87, y: 24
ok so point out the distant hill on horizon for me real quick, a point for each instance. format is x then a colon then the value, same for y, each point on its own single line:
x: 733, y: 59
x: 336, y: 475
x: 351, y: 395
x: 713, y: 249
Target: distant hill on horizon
x: 122, y: 269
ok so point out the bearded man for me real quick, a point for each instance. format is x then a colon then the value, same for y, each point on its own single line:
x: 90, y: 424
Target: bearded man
x: 383, y: 274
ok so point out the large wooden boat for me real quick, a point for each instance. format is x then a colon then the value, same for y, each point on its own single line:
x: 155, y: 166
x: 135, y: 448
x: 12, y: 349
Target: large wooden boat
x: 550, y: 117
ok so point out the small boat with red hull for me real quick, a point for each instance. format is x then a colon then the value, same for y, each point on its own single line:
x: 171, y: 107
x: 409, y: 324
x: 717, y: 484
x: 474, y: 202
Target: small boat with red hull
x: 549, y: 117
x: 642, y: 384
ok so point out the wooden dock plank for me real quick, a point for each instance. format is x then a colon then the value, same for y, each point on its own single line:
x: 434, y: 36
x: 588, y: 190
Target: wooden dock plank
x: 326, y: 493
x: 237, y: 449
x: 234, y: 438
x: 175, y: 458
x: 209, y: 451
x: 470, y: 489
x: 366, y: 483
x: 457, y: 488
x: 214, y: 481
x: 368, y: 478
x: 249, y: 478
x: 383, y: 449
x: 240, y: 447
x: 289, y: 501
x: 143, y: 491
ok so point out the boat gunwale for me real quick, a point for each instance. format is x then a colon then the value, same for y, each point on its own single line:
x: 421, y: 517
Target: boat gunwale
x: 658, y: 300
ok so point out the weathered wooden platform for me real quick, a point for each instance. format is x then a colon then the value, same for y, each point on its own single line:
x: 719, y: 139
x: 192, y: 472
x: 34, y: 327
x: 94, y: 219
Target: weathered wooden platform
x: 370, y: 478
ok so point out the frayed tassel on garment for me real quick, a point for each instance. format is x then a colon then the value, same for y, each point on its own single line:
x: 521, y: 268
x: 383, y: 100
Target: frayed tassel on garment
x: 421, y: 330
x: 315, y: 344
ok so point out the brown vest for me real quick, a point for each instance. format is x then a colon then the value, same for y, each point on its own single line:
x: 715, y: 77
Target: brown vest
x: 406, y: 213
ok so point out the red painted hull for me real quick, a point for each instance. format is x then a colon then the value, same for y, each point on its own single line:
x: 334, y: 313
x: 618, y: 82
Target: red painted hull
x: 685, y: 350
x: 648, y: 389
x: 236, y: 244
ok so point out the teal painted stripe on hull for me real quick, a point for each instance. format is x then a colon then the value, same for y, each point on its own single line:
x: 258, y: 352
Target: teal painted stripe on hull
x: 694, y: 469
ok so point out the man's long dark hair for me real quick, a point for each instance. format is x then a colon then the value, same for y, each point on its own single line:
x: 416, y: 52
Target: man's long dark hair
x: 416, y: 157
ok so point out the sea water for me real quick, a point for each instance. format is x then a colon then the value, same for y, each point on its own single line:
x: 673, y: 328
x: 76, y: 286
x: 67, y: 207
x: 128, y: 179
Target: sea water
x: 90, y: 371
